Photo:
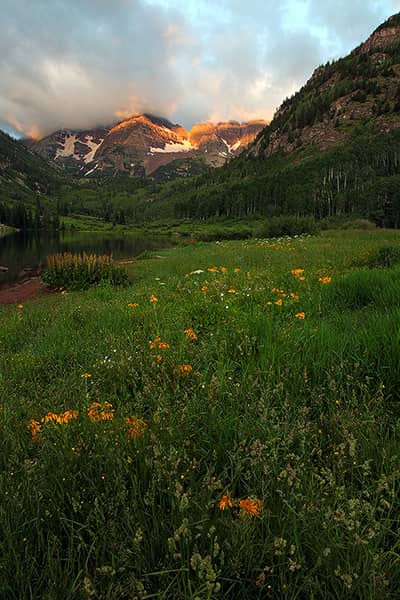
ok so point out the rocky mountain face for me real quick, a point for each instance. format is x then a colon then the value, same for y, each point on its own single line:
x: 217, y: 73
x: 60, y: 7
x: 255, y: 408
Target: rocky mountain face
x: 359, y: 90
x: 22, y: 171
x: 144, y: 143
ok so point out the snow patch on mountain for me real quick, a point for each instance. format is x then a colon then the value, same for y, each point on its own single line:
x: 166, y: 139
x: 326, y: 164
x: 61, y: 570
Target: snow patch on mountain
x: 94, y: 146
x: 69, y: 147
x: 184, y: 146
x: 232, y: 148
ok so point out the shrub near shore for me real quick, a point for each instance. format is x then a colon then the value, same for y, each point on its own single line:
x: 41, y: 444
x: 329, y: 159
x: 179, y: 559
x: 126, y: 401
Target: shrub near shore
x: 225, y: 427
x: 79, y: 271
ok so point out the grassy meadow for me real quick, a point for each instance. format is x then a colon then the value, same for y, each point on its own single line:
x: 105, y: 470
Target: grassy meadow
x: 227, y: 426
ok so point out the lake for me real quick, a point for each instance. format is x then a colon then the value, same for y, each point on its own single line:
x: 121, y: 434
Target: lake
x: 23, y: 253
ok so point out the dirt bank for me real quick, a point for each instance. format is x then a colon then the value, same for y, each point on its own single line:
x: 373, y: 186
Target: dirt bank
x: 21, y: 291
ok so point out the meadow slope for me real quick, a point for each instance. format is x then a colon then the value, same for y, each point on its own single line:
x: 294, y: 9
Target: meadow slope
x: 227, y: 426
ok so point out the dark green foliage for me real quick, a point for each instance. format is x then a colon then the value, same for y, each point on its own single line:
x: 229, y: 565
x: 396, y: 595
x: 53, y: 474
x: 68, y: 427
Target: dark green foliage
x: 289, y: 226
x: 386, y: 257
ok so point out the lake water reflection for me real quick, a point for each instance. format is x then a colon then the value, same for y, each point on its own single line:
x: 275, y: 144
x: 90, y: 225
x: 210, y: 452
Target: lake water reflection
x: 24, y: 252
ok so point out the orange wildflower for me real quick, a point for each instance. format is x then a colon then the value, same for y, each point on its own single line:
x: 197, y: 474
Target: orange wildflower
x: 300, y: 315
x: 100, y: 412
x: 225, y: 502
x: 158, y: 358
x: 204, y: 288
x: 133, y: 304
x: 60, y: 419
x: 34, y: 428
x: 184, y: 370
x: 213, y: 269
x: 136, y: 427
x: 251, y: 507
x: 192, y: 335
x: 297, y: 272
x: 279, y: 302
x: 20, y: 306
x: 163, y: 345
x: 224, y: 270
x: 294, y: 296
x: 154, y: 343
x: 325, y: 280
x: 86, y: 375
x: 153, y: 298
x: 232, y: 291
x: 157, y: 343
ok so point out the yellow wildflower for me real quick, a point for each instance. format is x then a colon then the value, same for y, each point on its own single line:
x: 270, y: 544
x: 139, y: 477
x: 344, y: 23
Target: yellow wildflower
x: 225, y: 502
x: 85, y: 375
x: 153, y: 298
x: 279, y: 302
x: 250, y: 507
x: 236, y: 270
x: 63, y: 292
x: 133, y: 304
x: 204, y: 288
x: 20, y: 306
x: 325, y: 280
x: 294, y: 296
x: 300, y: 315
x: 232, y: 291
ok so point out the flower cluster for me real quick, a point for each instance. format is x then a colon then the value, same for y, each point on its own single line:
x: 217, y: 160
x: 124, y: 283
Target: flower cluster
x: 35, y: 427
x: 298, y: 273
x: 60, y: 419
x: 101, y: 412
x: 184, y: 370
x: 158, y: 343
x: 247, y: 507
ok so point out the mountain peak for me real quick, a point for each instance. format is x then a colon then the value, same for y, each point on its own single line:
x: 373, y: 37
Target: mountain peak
x: 384, y: 36
x: 142, y: 143
x: 360, y: 88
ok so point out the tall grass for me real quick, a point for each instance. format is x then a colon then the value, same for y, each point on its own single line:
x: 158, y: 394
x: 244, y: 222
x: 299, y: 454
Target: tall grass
x: 268, y: 469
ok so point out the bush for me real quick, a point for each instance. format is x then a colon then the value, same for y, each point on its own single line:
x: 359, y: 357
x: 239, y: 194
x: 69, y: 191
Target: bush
x: 385, y: 257
x: 280, y: 226
x: 80, y: 271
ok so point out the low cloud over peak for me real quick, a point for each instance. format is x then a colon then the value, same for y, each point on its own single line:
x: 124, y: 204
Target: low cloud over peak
x: 65, y: 63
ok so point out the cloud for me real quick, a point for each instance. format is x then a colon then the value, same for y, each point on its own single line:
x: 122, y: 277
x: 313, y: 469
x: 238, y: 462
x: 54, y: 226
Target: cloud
x: 74, y: 64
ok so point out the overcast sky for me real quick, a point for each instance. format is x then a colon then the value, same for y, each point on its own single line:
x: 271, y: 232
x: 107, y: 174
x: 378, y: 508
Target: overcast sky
x: 83, y: 63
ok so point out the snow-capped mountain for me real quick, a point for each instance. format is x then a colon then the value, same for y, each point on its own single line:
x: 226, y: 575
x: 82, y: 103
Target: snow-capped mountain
x: 143, y: 143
